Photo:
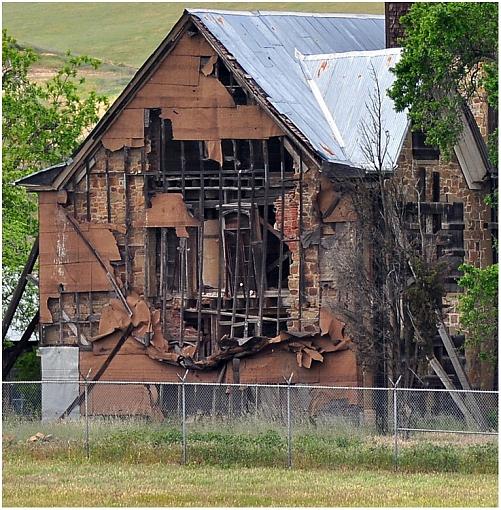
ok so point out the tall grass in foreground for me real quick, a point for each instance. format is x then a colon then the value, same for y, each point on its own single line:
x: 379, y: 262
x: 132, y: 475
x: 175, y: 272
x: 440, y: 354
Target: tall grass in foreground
x: 242, y: 444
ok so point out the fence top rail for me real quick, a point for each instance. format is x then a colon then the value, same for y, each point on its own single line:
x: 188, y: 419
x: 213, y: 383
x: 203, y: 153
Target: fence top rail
x: 247, y: 385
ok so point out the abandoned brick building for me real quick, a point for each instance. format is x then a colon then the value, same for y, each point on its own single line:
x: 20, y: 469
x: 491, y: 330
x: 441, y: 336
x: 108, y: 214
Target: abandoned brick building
x: 196, y: 225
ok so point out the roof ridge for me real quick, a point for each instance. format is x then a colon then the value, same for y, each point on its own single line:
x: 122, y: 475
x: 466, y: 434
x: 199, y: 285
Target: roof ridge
x: 288, y: 13
x: 321, y: 102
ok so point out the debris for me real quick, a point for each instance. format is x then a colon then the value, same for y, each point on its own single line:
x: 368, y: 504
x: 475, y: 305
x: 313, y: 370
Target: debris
x: 39, y: 437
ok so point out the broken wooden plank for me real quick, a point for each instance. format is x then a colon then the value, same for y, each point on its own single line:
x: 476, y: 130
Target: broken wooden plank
x: 19, y: 290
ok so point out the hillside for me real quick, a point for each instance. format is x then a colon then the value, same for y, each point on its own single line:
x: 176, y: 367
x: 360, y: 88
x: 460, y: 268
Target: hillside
x: 122, y: 35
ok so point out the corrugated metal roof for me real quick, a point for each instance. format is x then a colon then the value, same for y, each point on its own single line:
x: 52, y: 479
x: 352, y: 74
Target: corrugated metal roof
x: 264, y: 45
x: 347, y: 84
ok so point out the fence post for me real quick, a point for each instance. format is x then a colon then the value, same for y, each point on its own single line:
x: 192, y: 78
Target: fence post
x: 395, y: 422
x: 86, y: 410
x: 183, y: 413
x: 289, y: 425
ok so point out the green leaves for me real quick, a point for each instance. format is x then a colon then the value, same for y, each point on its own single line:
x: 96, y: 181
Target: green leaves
x: 450, y: 49
x: 42, y: 124
x: 478, y: 308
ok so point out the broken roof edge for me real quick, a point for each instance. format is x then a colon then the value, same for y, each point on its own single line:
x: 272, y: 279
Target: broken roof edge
x: 32, y: 182
x: 289, y: 13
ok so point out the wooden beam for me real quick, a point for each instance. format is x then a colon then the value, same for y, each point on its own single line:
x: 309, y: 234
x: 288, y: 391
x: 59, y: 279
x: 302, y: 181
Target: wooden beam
x: 10, y: 356
x: 78, y: 400
x: 19, y: 290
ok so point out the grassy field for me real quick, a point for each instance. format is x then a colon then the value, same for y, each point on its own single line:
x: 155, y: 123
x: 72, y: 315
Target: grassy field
x: 137, y: 463
x: 121, y: 35
x: 28, y: 482
x: 124, y: 33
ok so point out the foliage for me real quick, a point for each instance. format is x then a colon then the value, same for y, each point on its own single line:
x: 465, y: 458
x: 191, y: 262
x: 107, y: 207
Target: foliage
x: 42, y: 124
x: 28, y: 367
x: 450, y: 48
x: 139, y: 442
x: 478, y: 307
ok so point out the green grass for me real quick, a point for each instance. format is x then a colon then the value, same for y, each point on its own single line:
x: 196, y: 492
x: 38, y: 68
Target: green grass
x: 247, y: 444
x: 28, y: 482
x: 124, y: 33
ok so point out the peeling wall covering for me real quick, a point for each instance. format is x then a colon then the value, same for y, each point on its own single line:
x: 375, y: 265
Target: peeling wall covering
x: 199, y: 236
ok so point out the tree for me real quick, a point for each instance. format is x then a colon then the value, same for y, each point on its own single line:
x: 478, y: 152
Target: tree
x: 478, y: 306
x: 449, y: 53
x: 42, y: 125
x: 397, y: 291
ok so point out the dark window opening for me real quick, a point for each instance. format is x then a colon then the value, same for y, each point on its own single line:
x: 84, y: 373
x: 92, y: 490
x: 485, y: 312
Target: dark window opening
x: 225, y: 76
x: 435, y: 187
x: 421, y: 183
x: 421, y: 150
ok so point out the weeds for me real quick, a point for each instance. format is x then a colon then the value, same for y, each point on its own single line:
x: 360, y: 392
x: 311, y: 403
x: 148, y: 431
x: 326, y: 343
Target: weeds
x: 141, y: 442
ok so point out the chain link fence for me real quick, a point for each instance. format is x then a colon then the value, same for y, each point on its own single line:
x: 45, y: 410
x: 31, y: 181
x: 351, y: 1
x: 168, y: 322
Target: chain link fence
x: 288, y: 415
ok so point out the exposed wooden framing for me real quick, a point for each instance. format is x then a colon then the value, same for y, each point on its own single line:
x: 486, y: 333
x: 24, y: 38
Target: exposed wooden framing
x: 145, y: 179
x: 201, y: 207
x: 19, y: 290
x: 183, y: 169
x: 265, y: 237
x: 300, y: 246
x: 282, y: 224
x: 10, y: 356
x: 87, y: 190
x: 221, y: 252
x: 237, y: 254
x: 74, y: 327
x: 161, y: 154
x: 163, y: 278
x: 103, y: 264
x: 250, y: 255
x: 251, y: 318
x: 128, y: 222
x: 78, y: 327
x: 107, y: 176
x: 182, y: 284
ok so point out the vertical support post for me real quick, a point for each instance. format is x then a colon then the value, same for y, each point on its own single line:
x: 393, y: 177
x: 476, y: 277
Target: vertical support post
x: 220, y: 254
x: 300, y: 246
x: 87, y: 190
x: 182, y: 248
x: 289, y: 422
x: 395, y: 423
x: 108, y: 191
x: 86, y: 406
x: 236, y: 271
x: 282, y: 223
x: 184, y: 457
x: 265, y: 237
x: 250, y: 254
x: 201, y: 214
x: 183, y: 169
x: 128, y: 268
x: 145, y: 179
